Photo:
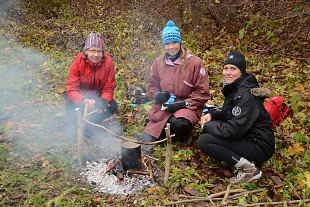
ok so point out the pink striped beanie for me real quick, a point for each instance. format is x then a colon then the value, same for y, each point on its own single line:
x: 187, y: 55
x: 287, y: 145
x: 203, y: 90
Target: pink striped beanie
x: 93, y: 40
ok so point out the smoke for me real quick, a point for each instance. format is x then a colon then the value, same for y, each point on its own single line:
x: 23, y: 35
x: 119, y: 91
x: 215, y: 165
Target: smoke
x: 35, y: 121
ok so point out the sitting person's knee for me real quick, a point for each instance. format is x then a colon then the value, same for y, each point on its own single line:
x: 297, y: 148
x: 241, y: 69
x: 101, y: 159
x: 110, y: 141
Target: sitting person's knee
x: 181, y: 127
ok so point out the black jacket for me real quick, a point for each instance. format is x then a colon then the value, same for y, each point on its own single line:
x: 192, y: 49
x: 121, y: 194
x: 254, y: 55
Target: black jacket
x: 243, y: 115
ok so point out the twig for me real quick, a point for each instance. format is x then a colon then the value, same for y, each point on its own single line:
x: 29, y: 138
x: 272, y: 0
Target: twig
x: 283, y: 55
x: 226, y: 194
x: 275, y: 202
x: 110, y: 168
x: 90, y: 113
x: 207, y: 198
x: 199, y: 197
x: 168, y: 154
x: 80, y: 139
x: 153, y: 158
x: 150, y: 169
x: 138, y: 172
x: 124, y: 138
x: 252, y: 191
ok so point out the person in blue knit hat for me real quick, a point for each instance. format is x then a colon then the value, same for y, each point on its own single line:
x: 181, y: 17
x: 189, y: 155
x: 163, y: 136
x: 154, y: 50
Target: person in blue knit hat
x: 171, y: 33
x: 181, y: 78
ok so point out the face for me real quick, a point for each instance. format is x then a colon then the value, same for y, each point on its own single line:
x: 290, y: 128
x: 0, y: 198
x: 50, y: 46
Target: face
x: 231, y: 73
x: 172, y: 48
x: 94, y: 54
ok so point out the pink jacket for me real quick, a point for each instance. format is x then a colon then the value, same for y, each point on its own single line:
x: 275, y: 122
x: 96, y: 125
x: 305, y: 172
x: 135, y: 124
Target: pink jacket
x: 187, y: 79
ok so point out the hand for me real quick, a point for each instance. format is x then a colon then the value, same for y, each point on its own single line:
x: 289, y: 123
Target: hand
x: 104, y: 105
x: 171, y: 108
x: 90, y: 102
x: 162, y: 97
x: 204, y: 119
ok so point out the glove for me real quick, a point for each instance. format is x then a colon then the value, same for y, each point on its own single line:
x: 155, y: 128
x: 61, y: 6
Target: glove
x: 104, y: 105
x: 162, y: 97
x: 171, y: 108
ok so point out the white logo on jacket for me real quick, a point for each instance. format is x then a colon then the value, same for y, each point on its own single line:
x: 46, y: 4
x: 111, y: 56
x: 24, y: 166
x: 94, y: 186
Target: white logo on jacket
x: 236, y: 111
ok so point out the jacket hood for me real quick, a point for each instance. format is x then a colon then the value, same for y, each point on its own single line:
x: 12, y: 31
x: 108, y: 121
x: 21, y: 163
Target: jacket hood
x: 248, y: 81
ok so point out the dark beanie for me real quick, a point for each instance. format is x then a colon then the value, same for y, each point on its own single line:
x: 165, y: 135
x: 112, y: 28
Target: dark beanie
x: 237, y: 59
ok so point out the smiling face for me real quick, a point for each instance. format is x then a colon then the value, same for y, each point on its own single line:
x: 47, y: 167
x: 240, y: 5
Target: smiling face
x: 94, y: 54
x: 172, y: 48
x: 231, y: 73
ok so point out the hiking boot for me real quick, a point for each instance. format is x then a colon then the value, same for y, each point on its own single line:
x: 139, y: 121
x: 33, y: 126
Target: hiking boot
x: 146, y: 148
x: 246, y: 171
x: 225, y: 165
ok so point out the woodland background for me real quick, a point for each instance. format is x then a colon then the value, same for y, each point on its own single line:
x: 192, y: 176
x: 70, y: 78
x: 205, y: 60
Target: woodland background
x: 40, y: 38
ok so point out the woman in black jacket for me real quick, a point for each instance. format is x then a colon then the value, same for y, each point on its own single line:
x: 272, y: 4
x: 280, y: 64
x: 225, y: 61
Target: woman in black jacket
x: 241, y: 132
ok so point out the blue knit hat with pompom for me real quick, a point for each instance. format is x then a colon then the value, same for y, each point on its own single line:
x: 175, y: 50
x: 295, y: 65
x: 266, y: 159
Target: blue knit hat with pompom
x: 171, y: 33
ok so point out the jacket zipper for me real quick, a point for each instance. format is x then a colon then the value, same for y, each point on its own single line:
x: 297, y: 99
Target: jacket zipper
x: 94, y: 79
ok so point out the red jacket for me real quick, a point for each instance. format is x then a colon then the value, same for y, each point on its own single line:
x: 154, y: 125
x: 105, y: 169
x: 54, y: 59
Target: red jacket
x: 89, y: 80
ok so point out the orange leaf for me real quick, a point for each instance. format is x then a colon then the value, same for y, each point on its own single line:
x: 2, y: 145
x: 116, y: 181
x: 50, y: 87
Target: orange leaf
x: 296, y: 149
x: 45, y: 163
x: 60, y: 89
x: 152, y: 189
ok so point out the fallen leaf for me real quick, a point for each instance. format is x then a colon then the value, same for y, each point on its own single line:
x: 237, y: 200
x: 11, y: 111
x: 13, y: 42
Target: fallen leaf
x: 60, y: 89
x: 191, y: 191
x: 276, y: 180
x: 296, y: 149
x: 152, y: 189
x: 97, y: 200
x: 45, y: 163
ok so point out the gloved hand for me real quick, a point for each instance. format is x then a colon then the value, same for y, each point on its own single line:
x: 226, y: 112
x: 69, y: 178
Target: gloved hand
x: 162, y: 97
x: 171, y: 108
x: 104, y: 105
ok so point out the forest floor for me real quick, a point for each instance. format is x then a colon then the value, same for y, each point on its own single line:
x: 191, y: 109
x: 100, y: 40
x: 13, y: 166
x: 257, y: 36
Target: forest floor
x: 38, y: 148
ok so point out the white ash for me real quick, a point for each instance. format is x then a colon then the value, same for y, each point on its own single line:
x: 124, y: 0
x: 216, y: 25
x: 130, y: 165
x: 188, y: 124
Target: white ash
x: 95, y: 175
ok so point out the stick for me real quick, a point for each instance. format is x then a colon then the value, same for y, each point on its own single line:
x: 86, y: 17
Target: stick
x: 124, y: 138
x: 226, y: 194
x: 168, y: 154
x: 207, y: 198
x: 90, y: 113
x: 153, y: 158
x: 253, y: 191
x: 110, y: 168
x: 138, y: 172
x: 276, y: 202
x: 80, y: 139
x: 150, y: 169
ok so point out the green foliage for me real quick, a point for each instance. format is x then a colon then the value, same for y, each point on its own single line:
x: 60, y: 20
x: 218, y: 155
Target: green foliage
x: 58, y: 28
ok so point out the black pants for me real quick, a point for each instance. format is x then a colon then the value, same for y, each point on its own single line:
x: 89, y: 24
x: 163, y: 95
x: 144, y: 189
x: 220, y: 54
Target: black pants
x: 97, y: 117
x: 223, y: 149
x: 181, y: 127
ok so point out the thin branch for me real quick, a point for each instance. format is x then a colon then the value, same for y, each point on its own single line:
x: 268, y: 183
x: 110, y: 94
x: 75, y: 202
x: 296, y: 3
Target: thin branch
x: 207, y: 198
x: 226, y: 194
x: 283, y: 55
x: 124, y: 138
x: 273, y: 203
x: 252, y: 191
x: 168, y: 154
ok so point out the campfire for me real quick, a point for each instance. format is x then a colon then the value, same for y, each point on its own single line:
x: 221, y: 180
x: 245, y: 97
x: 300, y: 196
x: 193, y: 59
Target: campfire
x: 125, y: 174
x: 121, y: 175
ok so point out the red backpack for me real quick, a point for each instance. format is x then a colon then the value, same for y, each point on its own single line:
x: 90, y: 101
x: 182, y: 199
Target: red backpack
x: 277, y: 109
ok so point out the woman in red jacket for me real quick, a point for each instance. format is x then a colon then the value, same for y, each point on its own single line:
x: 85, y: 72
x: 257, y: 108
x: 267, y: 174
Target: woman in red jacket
x: 91, y: 79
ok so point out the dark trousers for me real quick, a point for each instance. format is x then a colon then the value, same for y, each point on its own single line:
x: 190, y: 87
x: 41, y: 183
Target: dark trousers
x: 97, y: 117
x: 227, y: 150
x: 181, y: 127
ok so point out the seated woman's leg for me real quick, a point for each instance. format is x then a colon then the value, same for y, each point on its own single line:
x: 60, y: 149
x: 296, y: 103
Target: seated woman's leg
x: 231, y: 151
x: 181, y: 127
